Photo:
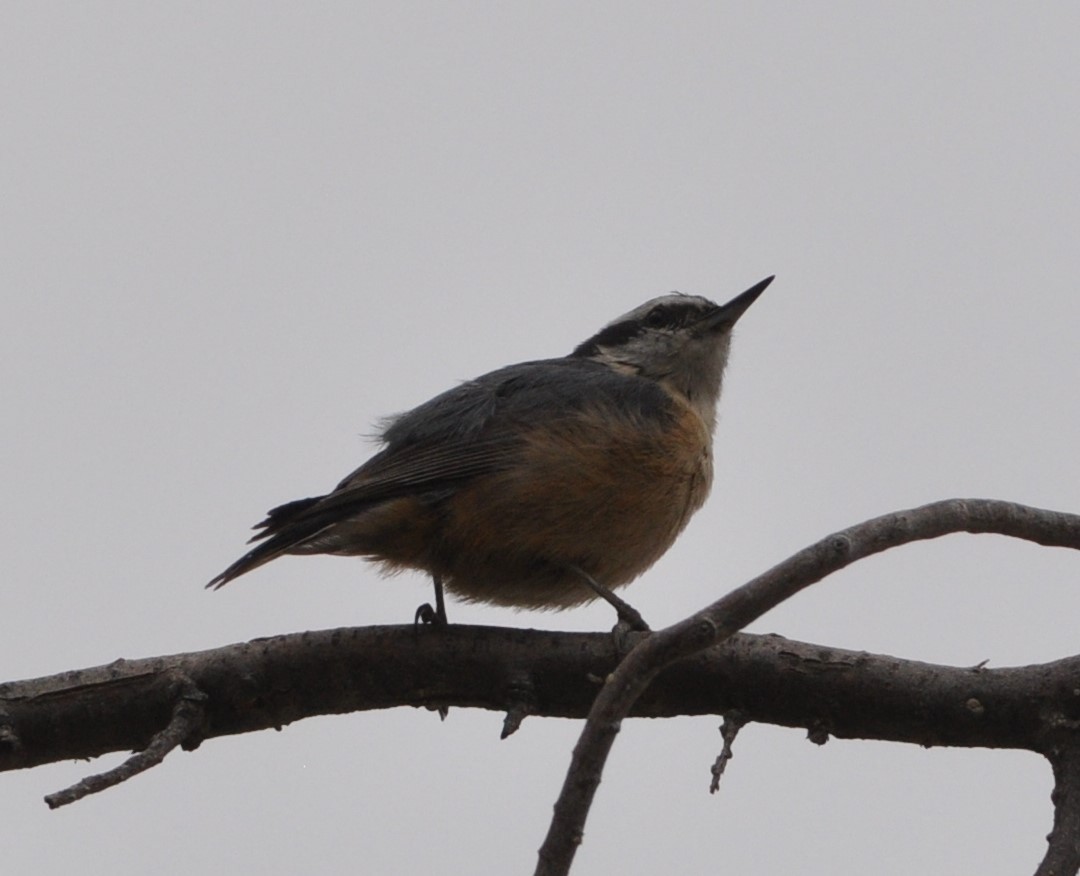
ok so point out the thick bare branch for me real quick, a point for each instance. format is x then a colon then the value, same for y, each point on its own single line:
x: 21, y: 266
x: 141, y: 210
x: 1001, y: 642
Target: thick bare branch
x: 723, y: 618
x: 271, y: 682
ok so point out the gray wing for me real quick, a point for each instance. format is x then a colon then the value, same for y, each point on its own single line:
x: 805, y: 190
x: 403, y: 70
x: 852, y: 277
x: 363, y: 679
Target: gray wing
x: 461, y: 434
x: 474, y: 428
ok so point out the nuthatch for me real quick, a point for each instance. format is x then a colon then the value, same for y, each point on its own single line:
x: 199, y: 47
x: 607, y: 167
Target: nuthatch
x: 540, y: 485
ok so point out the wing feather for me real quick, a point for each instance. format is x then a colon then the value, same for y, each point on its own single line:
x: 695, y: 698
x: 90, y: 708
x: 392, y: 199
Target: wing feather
x: 466, y: 432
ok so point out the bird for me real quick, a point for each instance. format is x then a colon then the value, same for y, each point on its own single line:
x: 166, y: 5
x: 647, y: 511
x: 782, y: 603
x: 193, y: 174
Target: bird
x: 540, y: 485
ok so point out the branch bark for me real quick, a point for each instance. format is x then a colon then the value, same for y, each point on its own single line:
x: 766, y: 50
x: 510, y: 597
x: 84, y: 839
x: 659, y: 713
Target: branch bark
x: 1063, y: 843
x: 268, y: 683
x: 718, y: 622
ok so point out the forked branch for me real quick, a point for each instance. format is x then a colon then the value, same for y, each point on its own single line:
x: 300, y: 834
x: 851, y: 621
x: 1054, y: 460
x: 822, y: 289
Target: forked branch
x: 719, y: 621
x: 187, y: 715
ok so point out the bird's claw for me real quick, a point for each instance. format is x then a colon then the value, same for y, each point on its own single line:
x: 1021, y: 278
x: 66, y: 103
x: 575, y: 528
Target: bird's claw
x: 631, y: 618
x: 426, y: 615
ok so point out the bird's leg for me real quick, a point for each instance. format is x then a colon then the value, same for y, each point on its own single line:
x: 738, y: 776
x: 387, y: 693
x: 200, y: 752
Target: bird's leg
x: 628, y: 615
x: 436, y: 616
x: 440, y: 601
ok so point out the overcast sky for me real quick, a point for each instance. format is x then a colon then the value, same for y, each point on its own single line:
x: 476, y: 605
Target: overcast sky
x: 235, y: 235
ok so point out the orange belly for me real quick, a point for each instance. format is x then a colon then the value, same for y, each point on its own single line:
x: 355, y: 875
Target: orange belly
x: 607, y: 500
x: 604, y: 493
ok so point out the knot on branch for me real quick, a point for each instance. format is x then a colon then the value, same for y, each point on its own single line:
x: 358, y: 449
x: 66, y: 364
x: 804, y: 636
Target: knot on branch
x: 520, y: 703
x: 9, y: 739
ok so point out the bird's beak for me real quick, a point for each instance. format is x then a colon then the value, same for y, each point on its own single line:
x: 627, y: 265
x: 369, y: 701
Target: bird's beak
x: 726, y: 315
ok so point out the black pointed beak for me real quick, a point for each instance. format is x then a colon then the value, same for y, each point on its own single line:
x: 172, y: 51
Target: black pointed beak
x: 726, y: 315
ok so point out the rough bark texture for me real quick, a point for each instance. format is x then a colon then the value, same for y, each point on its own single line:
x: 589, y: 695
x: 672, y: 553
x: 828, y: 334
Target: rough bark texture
x: 268, y: 683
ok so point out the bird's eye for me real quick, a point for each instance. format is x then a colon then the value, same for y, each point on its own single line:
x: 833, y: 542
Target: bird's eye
x: 656, y: 317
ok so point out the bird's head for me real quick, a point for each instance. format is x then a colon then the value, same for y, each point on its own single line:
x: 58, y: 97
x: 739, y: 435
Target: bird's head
x: 680, y: 341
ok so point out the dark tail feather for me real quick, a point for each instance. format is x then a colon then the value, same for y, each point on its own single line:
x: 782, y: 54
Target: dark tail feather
x: 281, y: 535
x: 264, y: 553
x: 280, y: 516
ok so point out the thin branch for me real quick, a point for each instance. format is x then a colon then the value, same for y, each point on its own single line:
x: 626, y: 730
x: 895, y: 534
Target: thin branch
x: 733, y: 723
x: 719, y: 621
x: 188, y: 715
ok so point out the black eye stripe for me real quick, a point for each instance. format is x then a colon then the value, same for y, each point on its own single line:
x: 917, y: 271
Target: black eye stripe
x: 672, y: 316
x: 612, y: 336
x: 668, y: 315
x: 658, y: 316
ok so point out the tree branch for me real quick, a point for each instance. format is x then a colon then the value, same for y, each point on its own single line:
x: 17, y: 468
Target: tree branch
x: 188, y: 713
x: 268, y: 683
x: 699, y: 666
x: 1063, y: 850
x: 719, y: 621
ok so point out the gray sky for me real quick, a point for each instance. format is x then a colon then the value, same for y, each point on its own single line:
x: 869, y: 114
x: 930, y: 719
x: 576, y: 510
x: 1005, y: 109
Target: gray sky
x: 234, y: 236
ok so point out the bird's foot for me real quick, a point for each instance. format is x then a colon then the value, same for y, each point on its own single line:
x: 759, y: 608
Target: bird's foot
x: 629, y: 616
x: 436, y: 616
x: 429, y: 616
x: 625, y: 636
